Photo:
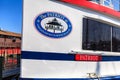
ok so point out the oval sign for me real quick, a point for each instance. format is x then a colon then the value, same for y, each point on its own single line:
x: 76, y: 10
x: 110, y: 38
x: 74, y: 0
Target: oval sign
x: 53, y: 24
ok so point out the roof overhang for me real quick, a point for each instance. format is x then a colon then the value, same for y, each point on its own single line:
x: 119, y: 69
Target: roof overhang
x: 94, y: 6
x: 7, y: 33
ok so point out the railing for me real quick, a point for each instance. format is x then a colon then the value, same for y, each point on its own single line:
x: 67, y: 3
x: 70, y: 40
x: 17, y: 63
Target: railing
x: 9, y: 44
x: 10, y: 66
x: 1, y: 67
x: 10, y: 62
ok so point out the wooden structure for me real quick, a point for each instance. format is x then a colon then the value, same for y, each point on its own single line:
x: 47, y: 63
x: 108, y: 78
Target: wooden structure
x: 10, y: 51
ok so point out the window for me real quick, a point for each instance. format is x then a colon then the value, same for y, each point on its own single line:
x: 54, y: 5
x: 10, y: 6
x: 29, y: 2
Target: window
x: 116, y: 39
x: 1, y: 36
x: 96, y: 35
x: 116, y: 4
x: 108, y: 3
x: 97, y: 1
x: 107, y: 0
x: 100, y: 36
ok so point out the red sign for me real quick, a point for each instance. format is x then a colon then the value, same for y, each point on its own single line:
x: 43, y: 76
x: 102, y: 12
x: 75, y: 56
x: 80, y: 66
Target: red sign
x: 86, y: 57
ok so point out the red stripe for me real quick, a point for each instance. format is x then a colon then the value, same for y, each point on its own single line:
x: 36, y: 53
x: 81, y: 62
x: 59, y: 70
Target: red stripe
x: 93, y: 6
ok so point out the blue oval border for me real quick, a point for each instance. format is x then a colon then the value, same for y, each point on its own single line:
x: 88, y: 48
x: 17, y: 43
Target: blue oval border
x: 50, y: 34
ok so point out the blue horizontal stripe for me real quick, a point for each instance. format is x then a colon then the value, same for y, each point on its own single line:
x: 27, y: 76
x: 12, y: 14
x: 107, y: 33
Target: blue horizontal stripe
x: 110, y: 58
x: 46, y: 56
x: 59, y: 56
x: 101, y: 78
x: 54, y: 79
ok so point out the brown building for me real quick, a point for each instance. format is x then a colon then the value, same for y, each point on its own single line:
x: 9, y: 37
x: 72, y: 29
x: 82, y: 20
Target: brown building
x: 9, y: 42
x: 10, y: 45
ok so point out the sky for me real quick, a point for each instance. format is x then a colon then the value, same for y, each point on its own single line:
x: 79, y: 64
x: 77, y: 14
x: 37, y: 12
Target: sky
x: 11, y: 15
